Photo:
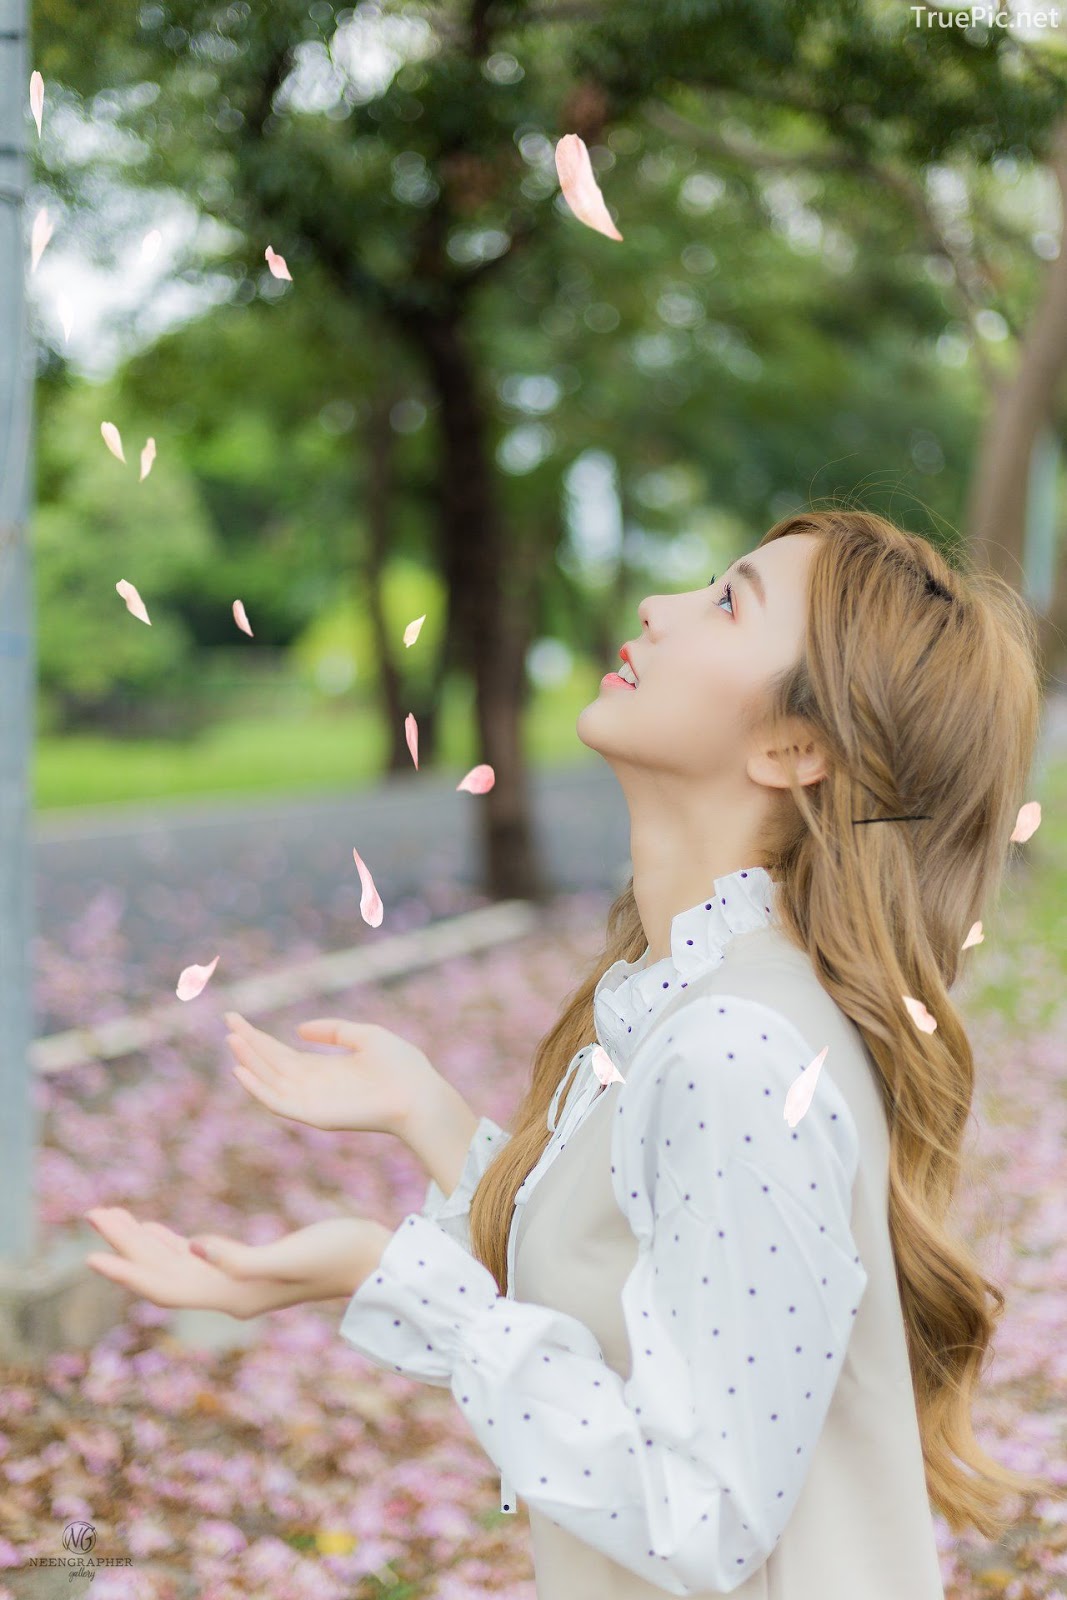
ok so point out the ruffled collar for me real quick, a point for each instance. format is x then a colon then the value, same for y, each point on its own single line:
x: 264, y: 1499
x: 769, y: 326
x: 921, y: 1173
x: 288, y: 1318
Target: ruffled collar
x: 629, y: 993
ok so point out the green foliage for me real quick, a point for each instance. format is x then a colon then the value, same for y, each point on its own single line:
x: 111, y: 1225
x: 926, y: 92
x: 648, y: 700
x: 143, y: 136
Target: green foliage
x: 300, y: 743
x: 767, y: 332
x: 103, y: 526
x: 344, y: 628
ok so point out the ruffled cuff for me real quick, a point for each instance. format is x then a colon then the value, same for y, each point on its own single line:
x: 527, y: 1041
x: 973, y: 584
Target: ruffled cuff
x: 409, y: 1314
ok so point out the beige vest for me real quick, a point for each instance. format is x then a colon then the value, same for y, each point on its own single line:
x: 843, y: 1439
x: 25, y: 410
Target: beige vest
x: 862, y: 1528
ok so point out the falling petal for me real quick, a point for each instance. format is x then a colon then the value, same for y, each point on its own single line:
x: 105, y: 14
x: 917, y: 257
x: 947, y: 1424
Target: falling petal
x: 579, y: 186
x: 113, y: 440
x: 193, y: 980
x: 799, y: 1094
x: 479, y: 780
x: 39, y: 236
x: 37, y: 99
x: 277, y: 264
x: 241, y: 618
x: 919, y: 1014
x: 148, y: 455
x: 1028, y: 821
x: 134, y: 603
x: 411, y: 632
x: 411, y: 733
x: 150, y: 245
x: 370, y: 904
x: 974, y: 936
x: 66, y: 316
x: 604, y: 1067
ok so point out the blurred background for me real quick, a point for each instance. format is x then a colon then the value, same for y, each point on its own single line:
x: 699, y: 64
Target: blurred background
x: 842, y: 279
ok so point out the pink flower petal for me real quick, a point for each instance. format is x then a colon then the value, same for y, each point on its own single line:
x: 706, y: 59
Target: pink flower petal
x: 1027, y: 822
x: 411, y: 632
x: 37, y: 99
x: 579, y: 186
x: 134, y: 603
x: 479, y: 780
x: 240, y: 617
x: 370, y: 905
x: 411, y: 733
x: 604, y: 1067
x: 113, y: 440
x: 39, y: 236
x: 799, y: 1094
x: 193, y: 980
x: 919, y: 1014
x: 277, y: 264
x: 148, y: 455
x: 150, y: 245
x: 974, y: 936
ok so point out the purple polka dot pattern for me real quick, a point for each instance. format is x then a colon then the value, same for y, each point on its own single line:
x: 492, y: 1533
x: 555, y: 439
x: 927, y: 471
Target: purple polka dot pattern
x: 739, y: 1306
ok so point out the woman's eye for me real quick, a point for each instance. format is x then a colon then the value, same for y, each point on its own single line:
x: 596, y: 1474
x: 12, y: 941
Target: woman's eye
x: 727, y: 594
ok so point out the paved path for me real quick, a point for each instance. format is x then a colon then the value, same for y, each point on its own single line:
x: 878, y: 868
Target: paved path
x: 267, y: 864
x: 180, y: 882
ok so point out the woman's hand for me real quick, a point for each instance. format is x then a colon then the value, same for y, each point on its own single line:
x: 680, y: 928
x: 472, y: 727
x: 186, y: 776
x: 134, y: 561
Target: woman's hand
x: 320, y: 1262
x: 372, y: 1088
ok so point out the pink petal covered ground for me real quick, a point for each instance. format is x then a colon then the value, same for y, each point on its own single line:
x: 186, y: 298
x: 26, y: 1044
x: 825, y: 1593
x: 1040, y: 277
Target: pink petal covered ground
x: 292, y: 1468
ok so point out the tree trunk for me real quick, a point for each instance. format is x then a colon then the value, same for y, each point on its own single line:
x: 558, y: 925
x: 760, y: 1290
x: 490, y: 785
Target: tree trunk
x: 381, y: 490
x: 1053, y: 628
x: 1021, y: 405
x: 488, y: 606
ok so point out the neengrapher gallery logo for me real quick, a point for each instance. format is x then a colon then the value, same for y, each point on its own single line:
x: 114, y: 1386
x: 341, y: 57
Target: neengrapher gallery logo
x: 79, y: 1538
x: 985, y: 16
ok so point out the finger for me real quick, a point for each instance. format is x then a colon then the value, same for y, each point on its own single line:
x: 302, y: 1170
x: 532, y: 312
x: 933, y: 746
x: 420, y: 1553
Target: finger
x: 280, y: 1259
x: 113, y: 1225
x: 167, y: 1236
x: 254, y: 1062
x: 262, y: 1092
x: 237, y: 1260
x: 272, y: 1049
x: 134, y: 1241
x: 125, y: 1275
x: 333, y: 1030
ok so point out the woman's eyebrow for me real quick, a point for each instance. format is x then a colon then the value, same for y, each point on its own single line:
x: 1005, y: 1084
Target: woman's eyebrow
x: 746, y: 570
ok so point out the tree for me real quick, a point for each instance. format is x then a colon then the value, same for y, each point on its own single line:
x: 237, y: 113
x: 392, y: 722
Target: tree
x: 421, y: 198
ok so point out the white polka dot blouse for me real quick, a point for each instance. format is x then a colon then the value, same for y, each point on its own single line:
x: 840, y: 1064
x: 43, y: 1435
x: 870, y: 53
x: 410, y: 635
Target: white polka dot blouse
x: 687, y: 1472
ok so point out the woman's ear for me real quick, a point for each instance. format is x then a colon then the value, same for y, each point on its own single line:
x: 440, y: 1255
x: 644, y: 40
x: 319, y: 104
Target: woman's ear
x: 767, y: 764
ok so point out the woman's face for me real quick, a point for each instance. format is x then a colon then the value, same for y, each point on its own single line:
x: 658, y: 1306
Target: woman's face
x: 703, y: 660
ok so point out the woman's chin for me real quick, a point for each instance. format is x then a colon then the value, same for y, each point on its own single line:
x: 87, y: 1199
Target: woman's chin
x: 587, y: 720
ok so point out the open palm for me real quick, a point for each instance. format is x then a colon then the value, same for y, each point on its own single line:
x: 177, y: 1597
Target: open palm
x: 326, y: 1259
x: 154, y: 1261
x: 371, y: 1088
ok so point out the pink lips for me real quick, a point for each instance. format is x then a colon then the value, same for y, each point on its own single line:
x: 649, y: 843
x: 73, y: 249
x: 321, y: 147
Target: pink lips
x: 611, y: 680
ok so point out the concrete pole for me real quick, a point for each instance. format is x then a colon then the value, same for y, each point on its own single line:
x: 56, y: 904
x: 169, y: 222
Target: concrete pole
x: 18, y: 666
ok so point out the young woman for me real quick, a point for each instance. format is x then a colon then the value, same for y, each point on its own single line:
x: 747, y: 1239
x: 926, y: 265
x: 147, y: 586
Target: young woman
x: 720, y: 1341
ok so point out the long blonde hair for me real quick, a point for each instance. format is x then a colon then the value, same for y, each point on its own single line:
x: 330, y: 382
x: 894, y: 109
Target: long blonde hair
x: 921, y: 682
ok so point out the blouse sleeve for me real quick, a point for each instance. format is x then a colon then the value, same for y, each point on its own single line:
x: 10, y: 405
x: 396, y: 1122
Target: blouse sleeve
x: 738, y: 1308
x: 451, y: 1212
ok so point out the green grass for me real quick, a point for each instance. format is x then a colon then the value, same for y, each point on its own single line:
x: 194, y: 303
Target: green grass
x: 1031, y: 920
x: 302, y: 744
